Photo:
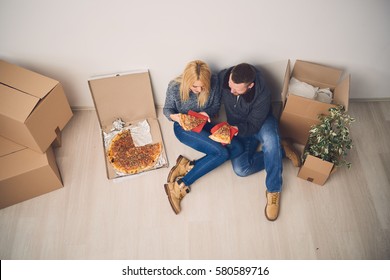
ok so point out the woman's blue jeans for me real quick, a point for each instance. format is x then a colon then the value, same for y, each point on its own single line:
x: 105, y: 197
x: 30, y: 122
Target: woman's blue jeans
x: 269, y: 158
x: 215, y: 153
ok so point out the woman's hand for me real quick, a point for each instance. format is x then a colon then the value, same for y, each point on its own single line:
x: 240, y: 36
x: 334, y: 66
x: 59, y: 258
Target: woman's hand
x: 175, y: 117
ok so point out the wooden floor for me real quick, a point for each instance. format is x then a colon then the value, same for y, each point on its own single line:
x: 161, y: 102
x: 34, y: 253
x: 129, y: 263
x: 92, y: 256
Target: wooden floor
x: 222, y: 218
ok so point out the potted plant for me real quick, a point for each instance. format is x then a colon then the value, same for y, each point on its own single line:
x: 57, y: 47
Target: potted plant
x: 330, y: 140
x: 327, y: 146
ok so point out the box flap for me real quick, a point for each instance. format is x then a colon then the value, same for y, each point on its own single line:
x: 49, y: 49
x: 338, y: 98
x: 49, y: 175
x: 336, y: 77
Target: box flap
x: 25, y: 80
x: 299, y: 115
x: 8, y: 147
x: 15, y: 104
x: 286, y: 81
x: 126, y: 96
x: 315, y: 170
x: 306, y: 107
x: 316, y: 74
x: 44, y: 123
x: 341, y: 93
x: 318, y: 165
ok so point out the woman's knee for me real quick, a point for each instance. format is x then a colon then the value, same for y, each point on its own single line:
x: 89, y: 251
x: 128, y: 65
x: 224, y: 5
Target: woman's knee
x: 218, y: 155
x: 223, y: 154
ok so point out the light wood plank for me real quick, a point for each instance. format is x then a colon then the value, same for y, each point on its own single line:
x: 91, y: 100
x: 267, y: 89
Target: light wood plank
x: 222, y: 218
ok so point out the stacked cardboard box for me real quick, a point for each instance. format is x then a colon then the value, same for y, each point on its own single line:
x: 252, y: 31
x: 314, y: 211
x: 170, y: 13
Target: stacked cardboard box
x: 300, y: 113
x: 33, y: 112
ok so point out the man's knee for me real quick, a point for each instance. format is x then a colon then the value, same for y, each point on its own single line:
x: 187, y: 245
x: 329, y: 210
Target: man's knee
x: 271, y: 142
x: 240, y: 171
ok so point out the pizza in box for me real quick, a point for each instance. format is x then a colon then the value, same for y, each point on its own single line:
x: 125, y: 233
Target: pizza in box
x: 127, y: 158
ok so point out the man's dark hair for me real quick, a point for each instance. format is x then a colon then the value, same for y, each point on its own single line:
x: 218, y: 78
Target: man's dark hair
x: 243, y: 73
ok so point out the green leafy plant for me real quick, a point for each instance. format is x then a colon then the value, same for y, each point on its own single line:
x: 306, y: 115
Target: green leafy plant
x: 330, y: 140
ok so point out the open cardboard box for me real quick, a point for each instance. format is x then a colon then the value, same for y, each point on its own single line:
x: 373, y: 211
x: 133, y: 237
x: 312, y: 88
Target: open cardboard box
x: 33, y: 108
x: 300, y: 113
x: 25, y: 174
x: 129, y: 97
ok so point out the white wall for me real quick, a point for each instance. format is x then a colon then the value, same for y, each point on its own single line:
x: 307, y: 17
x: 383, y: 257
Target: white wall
x: 72, y: 40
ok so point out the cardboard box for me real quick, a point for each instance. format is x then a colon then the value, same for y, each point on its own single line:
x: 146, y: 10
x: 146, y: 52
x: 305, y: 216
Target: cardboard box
x: 33, y: 108
x: 25, y: 174
x: 300, y: 113
x: 129, y: 97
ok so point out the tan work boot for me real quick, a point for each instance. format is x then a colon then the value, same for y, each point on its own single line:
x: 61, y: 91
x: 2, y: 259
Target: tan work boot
x: 272, y: 207
x: 183, y: 165
x: 291, y: 152
x: 176, y: 191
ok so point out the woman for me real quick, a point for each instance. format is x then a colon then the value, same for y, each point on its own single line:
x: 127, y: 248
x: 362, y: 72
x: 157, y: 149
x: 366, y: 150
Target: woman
x: 197, y: 90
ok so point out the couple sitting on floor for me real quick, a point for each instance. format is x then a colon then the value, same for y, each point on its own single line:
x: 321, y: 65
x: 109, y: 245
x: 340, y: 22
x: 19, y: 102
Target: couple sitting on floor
x: 247, y: 101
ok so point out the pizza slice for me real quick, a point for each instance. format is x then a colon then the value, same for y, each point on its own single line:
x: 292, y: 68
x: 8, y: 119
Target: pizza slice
x: 121, y: 141
x: 222, y: 134
x: 141, y: 158
x: 189, y: 122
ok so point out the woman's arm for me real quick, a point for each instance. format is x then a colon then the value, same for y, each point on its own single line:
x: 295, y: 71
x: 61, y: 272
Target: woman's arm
x: 170, y: 107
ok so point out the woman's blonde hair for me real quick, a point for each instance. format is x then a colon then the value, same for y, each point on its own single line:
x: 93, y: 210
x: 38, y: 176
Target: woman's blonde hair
x: 196, y: 70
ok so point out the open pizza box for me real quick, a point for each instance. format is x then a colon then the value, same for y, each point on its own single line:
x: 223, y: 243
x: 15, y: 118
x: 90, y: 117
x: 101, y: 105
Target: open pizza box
x: 129, y: 97
x: 300, y: 113
x: 25, y: 173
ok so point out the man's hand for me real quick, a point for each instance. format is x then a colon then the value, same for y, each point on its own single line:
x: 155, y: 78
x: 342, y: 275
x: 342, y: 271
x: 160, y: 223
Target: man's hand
x: 236, y: 128
x: 205, y: 114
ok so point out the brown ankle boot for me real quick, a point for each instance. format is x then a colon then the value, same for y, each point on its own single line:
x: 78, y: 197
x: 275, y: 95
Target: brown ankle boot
x: 291, y: 153
x: 272, y: 207
x: 176, y: 191
x: 183, y: 165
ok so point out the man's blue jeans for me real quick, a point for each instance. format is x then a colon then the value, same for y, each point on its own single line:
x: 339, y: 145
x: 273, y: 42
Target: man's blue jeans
x: 269, y: 158
x: 215, y: 153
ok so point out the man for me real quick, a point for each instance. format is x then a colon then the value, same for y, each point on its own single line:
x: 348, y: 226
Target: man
x: 247, y: 102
